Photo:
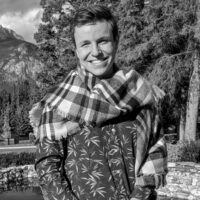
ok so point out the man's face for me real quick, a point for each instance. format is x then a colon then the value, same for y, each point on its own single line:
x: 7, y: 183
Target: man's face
x: 96, y: 48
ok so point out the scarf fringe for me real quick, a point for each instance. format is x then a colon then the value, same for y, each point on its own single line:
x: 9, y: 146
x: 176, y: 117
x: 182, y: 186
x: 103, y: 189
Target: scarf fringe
x: 85, y: 99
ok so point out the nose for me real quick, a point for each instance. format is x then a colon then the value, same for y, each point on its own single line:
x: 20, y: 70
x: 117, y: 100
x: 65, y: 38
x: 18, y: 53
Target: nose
x: 95, y: 50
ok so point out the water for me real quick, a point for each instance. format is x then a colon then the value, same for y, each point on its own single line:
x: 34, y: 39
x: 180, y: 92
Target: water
x: 14, y: 195
x: 21, y: 193
x: 35, y: 194
x: 23, y: 190
x: 30, y: 195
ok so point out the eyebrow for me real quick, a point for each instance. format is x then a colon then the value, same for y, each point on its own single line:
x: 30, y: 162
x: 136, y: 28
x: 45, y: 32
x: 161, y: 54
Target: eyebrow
x: 98, y: 40
x: 104, y: 38
x: 84, y: 41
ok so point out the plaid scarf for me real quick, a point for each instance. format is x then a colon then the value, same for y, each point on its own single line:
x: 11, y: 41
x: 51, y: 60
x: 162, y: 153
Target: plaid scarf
x: 84, y: 99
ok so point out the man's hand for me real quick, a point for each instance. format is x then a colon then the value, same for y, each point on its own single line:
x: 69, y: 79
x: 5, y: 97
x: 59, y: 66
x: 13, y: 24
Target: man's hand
x: 64, y: 129
x: 143, y: 193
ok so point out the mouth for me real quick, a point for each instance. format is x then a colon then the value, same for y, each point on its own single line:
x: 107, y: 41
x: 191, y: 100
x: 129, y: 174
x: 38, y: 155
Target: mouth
x: 99, y: 62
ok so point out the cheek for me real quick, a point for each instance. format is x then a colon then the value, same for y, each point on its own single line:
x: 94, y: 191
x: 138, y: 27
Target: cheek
x: 109, y: 50
x: 81, y: 54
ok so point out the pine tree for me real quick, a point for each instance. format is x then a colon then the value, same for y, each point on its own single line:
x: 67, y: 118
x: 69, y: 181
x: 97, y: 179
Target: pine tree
x: 54, y: 38
x: 6, y: 126
x: 157, y: 38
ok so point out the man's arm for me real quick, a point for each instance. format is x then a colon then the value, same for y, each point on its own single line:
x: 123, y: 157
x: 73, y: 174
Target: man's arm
x: 151, y: 155
x: 50, y: 155
x: 49, y: 167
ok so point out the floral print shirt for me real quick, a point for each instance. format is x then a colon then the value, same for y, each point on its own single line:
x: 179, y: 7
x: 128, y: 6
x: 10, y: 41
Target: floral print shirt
x: 120, y: 160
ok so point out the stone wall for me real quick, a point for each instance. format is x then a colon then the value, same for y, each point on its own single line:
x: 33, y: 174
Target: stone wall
x: 183, y: 181
x: 17, y: 178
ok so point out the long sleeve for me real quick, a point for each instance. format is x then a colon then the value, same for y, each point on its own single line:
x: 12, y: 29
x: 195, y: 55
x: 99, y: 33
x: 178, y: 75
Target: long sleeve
x: 51, y: 153
x: 49, y: 161
x: 151, y: 155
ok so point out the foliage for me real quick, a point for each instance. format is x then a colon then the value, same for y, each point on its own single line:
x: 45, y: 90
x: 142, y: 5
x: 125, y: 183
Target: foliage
x: 184, y: 151
x: 159, y: 42
x: 54, y: 38
x: 14, y: 159
x: 19, y: 100
x: 191, y: 151
x: 6, y: 126
x: 157, y: 38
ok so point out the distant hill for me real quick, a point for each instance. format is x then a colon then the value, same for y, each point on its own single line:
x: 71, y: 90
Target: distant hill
x: 6, y: 33
x: 18, y: 58
x: 19, y: 66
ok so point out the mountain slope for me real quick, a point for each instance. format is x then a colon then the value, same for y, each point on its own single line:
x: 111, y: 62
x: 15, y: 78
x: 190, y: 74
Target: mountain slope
x: 18, y: 58
x: 19, y: 66
x: 6, y: 33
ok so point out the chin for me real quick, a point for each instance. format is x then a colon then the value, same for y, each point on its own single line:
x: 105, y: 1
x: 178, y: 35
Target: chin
x: 103, y: 74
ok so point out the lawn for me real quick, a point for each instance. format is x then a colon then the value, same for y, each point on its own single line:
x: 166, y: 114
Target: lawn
x: 17, y: 148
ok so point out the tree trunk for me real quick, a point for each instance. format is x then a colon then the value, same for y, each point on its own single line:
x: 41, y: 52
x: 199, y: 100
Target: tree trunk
x: 182, y: 127
x: 193, y: 102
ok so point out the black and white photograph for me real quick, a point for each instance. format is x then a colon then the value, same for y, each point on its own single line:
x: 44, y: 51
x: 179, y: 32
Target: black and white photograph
x: 99, y: 100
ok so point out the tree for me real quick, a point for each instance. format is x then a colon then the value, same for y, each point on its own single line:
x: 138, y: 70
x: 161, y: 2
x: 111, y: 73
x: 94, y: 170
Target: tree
x: 162, y: 48
x: 6, y: 126
x: 193, y: 92
x: 54, y: 38
x: 193, y: 102
x: 157, y: 38
x: 19, y: 99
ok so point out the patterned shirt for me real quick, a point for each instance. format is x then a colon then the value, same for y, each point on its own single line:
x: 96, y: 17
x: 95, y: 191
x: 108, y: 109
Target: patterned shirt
x: 123, y: 158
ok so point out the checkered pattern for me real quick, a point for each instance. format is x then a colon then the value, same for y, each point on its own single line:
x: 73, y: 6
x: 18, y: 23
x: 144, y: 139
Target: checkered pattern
x: 87, y: 100
x: 151, y: 150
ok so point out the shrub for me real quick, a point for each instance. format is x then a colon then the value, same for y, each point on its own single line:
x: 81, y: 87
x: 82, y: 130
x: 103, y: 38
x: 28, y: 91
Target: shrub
x: 14, y: 159
x: 188, y: 151
x: 174, y: 152
x: 191, y: 151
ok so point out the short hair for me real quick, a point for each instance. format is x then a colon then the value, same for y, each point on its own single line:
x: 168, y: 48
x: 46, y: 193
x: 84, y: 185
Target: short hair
x: 91, y: 15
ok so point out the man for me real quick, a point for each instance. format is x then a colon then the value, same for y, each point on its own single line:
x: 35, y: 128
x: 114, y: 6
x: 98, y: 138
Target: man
x: 99, y: 134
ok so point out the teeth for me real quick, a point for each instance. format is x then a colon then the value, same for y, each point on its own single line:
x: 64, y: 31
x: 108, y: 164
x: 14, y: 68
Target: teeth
x: 97, y: 61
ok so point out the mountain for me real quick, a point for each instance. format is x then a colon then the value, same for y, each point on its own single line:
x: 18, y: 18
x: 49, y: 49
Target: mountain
x: 6, y: 33
x: 19, y: 66
x: 18, y: 59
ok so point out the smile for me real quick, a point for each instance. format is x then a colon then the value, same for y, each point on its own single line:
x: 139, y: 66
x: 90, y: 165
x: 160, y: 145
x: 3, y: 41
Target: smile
x: 98, y: 62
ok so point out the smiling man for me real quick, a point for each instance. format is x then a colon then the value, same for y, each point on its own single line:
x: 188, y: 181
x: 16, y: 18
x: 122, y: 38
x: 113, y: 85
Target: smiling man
x: 96, y: 48
x: 99, y: 135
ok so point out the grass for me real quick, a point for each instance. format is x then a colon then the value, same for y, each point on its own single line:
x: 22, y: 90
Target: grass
x: 26, y: 147
x: 27, y: 150
x: 16, y: 159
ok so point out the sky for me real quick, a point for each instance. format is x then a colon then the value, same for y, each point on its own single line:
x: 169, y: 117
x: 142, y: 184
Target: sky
x: 22, y: 16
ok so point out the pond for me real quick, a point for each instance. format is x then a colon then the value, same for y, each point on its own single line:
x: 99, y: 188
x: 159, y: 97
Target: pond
x: 28, y: 189
x: 22, y: 195
x: 24, y: 189
x: 19, y: 192
x: 34, y: 193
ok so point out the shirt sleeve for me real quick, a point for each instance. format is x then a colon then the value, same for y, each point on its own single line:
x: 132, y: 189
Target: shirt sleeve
x: 49, y: 167
x: 150, y: 153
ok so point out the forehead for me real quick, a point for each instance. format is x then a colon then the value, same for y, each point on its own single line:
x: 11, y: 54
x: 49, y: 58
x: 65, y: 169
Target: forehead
x: 93, y: 31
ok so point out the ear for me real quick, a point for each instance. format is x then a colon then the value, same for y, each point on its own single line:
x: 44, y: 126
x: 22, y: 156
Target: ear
x: 117, y: 42
x: 116, y: 45
x: 77, y: 54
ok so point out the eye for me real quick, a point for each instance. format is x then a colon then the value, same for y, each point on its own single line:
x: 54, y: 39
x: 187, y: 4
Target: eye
x: 104, y: 41
x: 85, y: 44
